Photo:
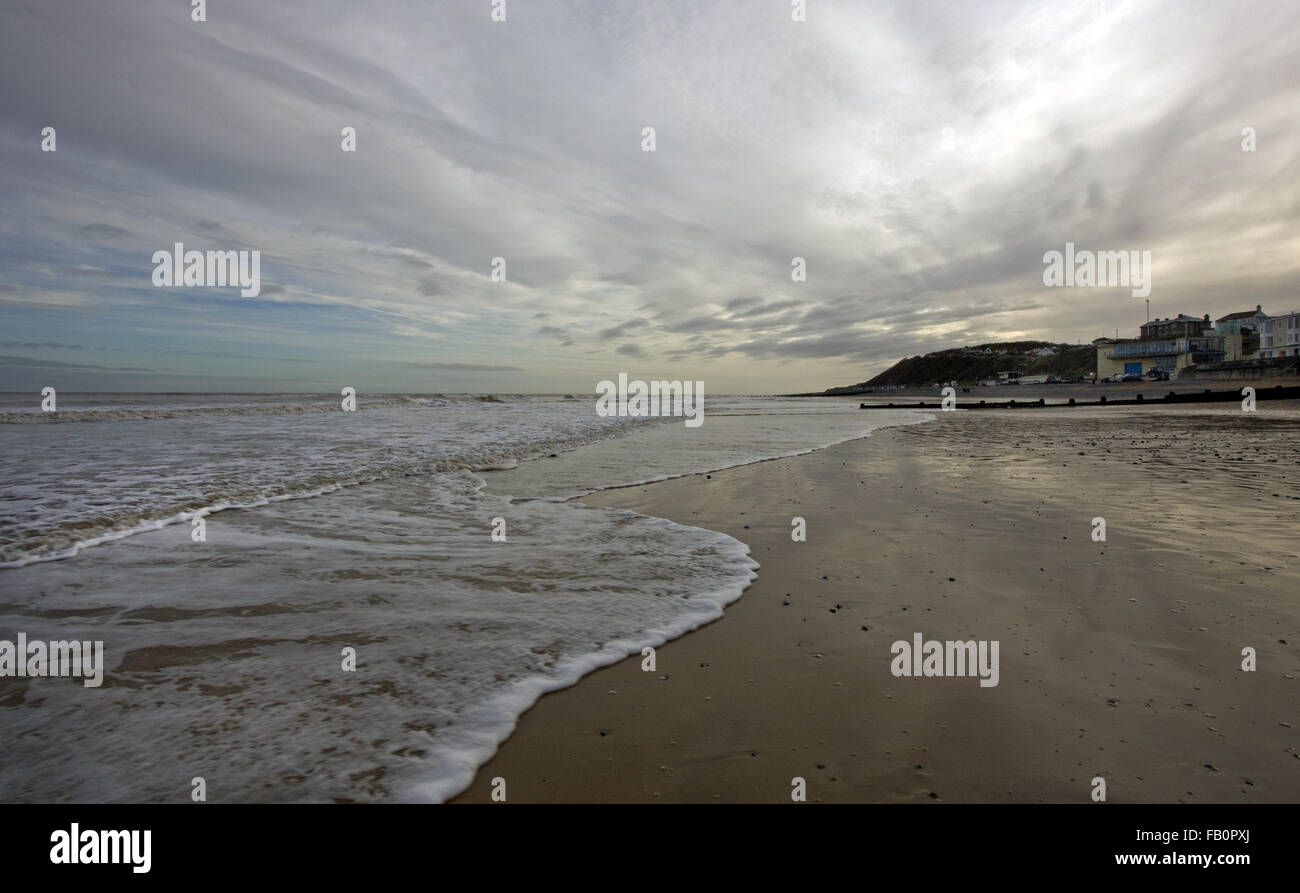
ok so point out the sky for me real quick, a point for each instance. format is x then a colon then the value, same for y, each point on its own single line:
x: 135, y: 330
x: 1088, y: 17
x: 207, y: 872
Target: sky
x: 920, y: 157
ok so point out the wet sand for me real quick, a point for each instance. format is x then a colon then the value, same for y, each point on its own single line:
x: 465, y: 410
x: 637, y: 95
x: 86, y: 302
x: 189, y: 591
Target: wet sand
x: 1119, y: 659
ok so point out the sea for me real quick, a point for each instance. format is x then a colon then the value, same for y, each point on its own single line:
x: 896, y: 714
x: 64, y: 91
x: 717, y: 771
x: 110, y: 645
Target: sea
x: 299, y: 603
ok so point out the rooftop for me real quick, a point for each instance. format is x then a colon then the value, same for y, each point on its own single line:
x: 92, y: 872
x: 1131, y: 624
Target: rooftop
x: 1245, y: 314
x: 1182, y: 317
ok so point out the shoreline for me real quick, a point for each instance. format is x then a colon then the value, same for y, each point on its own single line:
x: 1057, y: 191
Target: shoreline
x: 1118, y: 660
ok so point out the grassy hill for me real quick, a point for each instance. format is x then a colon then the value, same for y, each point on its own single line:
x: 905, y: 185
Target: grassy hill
x: 970, y: 365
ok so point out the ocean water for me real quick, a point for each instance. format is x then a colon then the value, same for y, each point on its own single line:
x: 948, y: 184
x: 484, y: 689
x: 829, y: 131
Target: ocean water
x: 329, y: 530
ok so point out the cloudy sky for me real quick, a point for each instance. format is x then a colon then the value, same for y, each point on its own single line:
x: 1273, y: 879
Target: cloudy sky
x: 920, y: 156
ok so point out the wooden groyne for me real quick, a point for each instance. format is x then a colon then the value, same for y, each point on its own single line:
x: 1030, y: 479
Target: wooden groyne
x: 1277, y: 392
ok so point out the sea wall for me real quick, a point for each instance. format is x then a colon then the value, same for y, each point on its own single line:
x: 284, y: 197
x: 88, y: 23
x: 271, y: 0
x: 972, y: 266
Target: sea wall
x: 1243, y: 370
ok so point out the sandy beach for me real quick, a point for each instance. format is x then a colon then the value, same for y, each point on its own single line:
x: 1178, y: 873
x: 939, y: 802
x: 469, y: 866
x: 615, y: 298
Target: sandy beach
x: 1119, y: 659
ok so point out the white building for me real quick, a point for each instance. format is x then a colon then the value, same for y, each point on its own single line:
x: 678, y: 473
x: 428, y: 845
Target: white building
x: 1279, y: 336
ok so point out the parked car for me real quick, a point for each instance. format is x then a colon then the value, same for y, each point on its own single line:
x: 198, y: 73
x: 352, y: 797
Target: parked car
x: 1130, y: 376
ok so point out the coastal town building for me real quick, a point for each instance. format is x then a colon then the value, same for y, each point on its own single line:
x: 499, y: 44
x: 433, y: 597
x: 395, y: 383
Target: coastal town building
x: 1238, y: 323
x: 1280, y: 336
x: 1248, y: 324
x: 1165, y: 355
x: 1180, y: 326
x: 1166, y: 346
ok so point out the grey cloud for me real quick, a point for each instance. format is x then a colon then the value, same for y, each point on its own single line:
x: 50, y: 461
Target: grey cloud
x: 33, y: 363
x: 35, y: 344
x: 698, y: 324
x: 103, y: 231
x: 616, y: 331
x: 463, y: 367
